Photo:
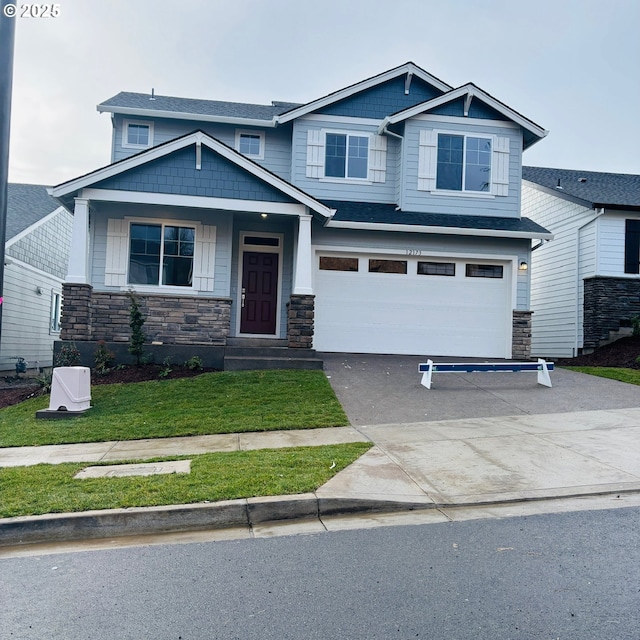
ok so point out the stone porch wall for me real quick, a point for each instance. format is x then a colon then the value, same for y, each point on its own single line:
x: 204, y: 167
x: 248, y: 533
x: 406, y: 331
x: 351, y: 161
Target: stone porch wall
x: 300, y: 317
x: 170, y: 319
x: 609, y: 303
x: 521, y: 337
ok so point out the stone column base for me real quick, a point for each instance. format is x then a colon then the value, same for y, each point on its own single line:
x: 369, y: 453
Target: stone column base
x: 300, y: 316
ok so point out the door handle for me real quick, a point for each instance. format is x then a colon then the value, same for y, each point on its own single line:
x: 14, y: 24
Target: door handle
x: 242, y: 298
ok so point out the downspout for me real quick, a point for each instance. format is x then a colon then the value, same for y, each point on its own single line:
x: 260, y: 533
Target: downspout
x: 382, y: 130
x: 598, y: 213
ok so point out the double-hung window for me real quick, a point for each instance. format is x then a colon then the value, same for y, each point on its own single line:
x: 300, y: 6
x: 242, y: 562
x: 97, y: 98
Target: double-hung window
x: 464, y: 163
x: 161, y: 254
x: 346, y: 156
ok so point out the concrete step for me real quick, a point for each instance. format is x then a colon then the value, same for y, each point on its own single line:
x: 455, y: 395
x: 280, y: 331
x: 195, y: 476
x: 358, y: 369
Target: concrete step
x: 257, y: 342
x: 268, y: 352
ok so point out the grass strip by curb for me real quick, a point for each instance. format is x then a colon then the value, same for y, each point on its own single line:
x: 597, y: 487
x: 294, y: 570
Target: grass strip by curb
x: 47, y: 488
x: 631, y: 376
x: 223, y: 402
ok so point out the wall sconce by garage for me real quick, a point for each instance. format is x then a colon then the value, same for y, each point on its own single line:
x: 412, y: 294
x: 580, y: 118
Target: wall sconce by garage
x: 39, y: 291
x: 523, y: 266
x: 263, y: 216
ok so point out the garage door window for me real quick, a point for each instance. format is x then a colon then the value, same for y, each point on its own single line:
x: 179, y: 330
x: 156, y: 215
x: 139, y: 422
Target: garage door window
x: 436, y: 268
x: 328, y: 263
x: 484, y: 271
x: 387, y: 266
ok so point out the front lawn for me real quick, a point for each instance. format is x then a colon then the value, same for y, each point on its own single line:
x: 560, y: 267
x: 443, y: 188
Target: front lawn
x: 632, y: 376
x: 222, y: 402
x: 47, y: 488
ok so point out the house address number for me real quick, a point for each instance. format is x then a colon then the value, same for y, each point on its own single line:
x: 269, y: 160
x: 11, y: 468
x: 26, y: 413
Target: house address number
x: 414, y: 252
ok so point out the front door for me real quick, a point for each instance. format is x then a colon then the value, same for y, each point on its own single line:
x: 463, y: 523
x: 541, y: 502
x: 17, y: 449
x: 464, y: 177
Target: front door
x: 259, y: 299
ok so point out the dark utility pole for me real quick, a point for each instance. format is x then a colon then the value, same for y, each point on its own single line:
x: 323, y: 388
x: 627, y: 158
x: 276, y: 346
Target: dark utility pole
x: 7, y: 37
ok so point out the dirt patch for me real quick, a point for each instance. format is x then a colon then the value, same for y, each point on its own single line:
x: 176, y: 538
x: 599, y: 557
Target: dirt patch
x: 15, y: 391
x: 621, y: 353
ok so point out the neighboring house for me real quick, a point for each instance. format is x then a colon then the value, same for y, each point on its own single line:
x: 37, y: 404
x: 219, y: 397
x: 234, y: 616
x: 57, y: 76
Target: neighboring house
x: 585, y: 288
x: 381, y: 218
x: 38, y: 238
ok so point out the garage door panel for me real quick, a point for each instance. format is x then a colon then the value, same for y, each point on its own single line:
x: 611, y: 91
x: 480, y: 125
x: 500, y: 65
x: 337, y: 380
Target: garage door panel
x: 412, y: 314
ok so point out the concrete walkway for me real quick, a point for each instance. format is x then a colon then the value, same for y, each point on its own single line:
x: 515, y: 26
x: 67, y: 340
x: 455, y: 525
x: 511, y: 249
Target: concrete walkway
x: 422, y: 465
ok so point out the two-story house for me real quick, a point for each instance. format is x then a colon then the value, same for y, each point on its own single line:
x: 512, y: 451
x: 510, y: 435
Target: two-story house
x: 585, y: 289
x: 381, y: 218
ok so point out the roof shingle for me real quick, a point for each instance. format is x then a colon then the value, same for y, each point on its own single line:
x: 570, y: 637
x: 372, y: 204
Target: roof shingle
x: 26, y: 204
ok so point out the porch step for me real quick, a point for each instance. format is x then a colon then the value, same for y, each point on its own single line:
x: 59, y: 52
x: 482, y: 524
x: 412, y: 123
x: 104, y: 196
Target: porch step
x: 256, y: 342
x: 246, y: 358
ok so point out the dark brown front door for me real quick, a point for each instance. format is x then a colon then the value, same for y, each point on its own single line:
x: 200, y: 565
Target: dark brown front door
x: 259, y: 292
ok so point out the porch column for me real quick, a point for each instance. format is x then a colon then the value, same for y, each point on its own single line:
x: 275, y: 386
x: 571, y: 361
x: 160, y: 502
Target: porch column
x: 303, y: 262
x: 79, y: 257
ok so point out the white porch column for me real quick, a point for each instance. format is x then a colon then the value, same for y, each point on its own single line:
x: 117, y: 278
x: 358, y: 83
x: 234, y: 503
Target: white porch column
x: 303, y: 260
x: 79, y: 256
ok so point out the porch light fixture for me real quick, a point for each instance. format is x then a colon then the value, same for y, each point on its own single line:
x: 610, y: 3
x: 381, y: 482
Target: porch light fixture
x: 263, y: 215
x: 523, y: 266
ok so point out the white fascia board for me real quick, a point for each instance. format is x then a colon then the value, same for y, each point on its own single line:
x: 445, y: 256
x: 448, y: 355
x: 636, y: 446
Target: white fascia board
x: 139, y: 159
x: 362, y: 86
x: 34, y: 226
x: 178, y: 115
x: 451, y: 231
x: 467, y: 90
x: 198, y: 202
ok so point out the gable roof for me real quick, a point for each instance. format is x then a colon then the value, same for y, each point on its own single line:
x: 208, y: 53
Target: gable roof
x: 144, y: 104
x: 68, y: 189
x: 593, y: 189
x: 470, y: 92
x: 26, y: 205
x: 386, y: 217
x: 409, y: 68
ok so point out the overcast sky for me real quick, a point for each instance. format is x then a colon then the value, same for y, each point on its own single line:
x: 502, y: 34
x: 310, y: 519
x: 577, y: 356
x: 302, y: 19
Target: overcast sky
x: 571, y: 66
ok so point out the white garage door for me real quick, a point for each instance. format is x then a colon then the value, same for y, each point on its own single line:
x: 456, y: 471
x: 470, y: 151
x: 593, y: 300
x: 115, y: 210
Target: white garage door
x: 412, y: 305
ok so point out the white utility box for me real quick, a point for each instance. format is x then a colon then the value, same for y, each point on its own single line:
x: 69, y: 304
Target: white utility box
x: 70, y: 389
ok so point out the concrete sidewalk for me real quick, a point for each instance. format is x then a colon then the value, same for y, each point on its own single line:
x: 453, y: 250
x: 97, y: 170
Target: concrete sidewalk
x: 424, y: 465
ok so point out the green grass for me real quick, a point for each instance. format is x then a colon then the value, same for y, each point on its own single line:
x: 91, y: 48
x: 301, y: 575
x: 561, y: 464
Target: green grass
x: 632, y: 376
x: 46, y: 488
x: 225, y: 402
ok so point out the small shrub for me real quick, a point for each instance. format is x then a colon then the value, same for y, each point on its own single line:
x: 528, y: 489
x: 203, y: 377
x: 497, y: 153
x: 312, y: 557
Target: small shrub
x: 194, y: 363
x: 68, y: 356
x: 103, y: 359
x: 44, y: 379
x: 166, y: 368
x: 136, y: 322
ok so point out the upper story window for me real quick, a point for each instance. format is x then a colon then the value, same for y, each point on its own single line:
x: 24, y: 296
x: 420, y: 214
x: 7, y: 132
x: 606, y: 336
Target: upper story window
x: 250, y: 144
x: 137, y: 135
x: 346, y: 156
x: 161, y: 254
x: 455, y: 163
x: 632, y: 246
x: 464, y: 163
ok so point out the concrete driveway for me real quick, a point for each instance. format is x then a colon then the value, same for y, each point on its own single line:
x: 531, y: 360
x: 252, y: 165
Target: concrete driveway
x: 384, y: 389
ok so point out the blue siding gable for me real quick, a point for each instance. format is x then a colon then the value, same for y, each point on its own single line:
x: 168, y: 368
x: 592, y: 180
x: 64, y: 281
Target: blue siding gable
x: 478, y: 109
x: 176, y: 173
x: 383, y: 99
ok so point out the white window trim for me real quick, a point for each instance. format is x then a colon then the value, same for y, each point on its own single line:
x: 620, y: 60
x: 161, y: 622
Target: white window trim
x: 428, y: 164
x: 348, y: 179
x: 247, y: 132
x: 463, y: 191
x: 125, y: 132
x: 118, y: 256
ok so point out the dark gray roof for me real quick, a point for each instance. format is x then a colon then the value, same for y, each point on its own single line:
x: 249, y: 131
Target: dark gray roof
x: 127, y: 100
x: 387, y: 214
x: 26, y: 204
x: 593, y: 188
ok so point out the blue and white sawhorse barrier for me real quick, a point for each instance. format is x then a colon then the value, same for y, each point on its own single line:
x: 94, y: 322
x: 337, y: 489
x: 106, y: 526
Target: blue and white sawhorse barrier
x: 542, y: 367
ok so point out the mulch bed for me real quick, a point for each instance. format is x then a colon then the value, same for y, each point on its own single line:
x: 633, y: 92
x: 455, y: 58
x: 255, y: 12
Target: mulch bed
x: 621, y: 353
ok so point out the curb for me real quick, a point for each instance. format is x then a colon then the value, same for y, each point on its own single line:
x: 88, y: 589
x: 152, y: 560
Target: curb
x: 109, y: 523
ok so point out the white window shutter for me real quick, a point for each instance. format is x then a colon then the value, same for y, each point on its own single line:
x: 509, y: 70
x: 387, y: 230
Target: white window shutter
x: 115, y: 270
x: 378, y: 158
x: 427, y: 160
x: 315, y: 153
x: 204, y: 259
x: 500, y: 166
